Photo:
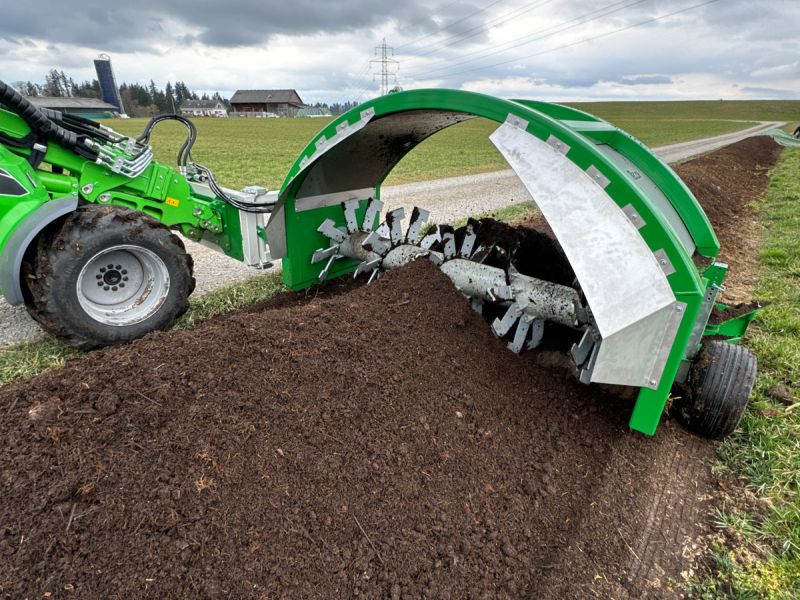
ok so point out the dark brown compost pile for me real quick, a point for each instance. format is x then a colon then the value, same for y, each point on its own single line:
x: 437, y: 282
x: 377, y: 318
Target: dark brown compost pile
x: 377, y: 443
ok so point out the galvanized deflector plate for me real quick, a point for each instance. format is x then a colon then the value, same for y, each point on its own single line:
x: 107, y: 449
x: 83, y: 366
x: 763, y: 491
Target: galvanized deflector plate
x: 631, y: 300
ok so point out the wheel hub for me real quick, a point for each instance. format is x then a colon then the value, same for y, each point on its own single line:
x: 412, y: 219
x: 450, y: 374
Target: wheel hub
x: 123, y: 285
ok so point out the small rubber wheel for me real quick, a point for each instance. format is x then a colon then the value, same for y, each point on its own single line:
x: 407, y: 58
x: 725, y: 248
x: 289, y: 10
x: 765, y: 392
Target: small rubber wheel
x: 107, y: 275
x: 720, y: 382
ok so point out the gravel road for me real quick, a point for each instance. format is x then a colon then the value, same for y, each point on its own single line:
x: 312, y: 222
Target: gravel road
x: 448, y: 200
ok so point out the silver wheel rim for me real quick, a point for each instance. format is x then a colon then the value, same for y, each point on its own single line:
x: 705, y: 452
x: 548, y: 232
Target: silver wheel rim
x: 123, y: 285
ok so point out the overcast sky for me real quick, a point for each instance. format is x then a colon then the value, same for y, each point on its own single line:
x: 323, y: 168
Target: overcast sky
x: 551, y: 49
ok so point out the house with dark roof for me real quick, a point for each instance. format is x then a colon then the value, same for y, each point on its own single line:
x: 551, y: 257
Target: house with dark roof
x: 203, y: 108
x: 91, y: 108
x: 284, y: 103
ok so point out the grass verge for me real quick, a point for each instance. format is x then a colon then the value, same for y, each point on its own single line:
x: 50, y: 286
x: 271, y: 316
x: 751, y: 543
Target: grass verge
x: 760, y: 554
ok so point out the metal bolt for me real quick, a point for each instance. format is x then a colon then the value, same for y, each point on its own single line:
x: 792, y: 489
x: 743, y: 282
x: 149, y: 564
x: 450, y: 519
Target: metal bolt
x: 680, y: 308
x: 106, y: 288
x: 122, y: 284
x: 87, y: 189
x: 114, y: 289
x: 197, y: 211
x: 653, y: 382
x: 104, y: 197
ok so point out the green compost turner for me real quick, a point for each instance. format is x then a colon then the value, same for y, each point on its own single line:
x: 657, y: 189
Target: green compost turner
x: 86, y: 213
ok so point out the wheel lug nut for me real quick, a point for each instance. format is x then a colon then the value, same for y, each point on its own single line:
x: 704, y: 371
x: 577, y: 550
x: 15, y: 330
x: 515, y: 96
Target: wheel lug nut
x: 106, y: 288
x: 118, y: 267
x: 124, y: 271
x: 98, y: 276
x: 110, y: 266
x: 102, y: 269
x: 100, y: 283
x: 124, y: 279
x: 114, y: 289
x: 121, y: 285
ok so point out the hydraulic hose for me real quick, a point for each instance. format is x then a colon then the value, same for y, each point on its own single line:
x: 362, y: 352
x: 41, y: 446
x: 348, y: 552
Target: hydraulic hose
x: 37, y: 119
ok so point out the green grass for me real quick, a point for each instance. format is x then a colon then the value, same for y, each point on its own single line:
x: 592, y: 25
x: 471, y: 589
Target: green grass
x: 247, y: 151
x: 744, y: 110
x: 765, y: 562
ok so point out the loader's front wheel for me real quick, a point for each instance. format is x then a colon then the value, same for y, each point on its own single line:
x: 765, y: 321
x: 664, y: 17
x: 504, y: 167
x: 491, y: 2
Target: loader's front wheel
x: 720, y: 383
x: 106, y: 276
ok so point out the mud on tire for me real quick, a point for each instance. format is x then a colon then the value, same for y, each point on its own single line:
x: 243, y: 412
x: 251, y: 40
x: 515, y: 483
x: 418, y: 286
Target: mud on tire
x: 720, y: 383
x: 60, y: 272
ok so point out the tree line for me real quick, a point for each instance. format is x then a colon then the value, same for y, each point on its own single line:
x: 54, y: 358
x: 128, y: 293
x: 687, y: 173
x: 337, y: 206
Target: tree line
x: 138, y: 100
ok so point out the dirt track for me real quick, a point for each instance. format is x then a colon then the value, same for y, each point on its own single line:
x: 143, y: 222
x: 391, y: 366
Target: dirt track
x: 375, y: 441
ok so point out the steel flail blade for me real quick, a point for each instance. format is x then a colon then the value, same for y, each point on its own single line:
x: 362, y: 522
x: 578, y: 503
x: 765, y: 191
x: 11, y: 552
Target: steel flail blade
x: 368, y: 266
x: 331, y: 253
x: 324, y: 273
x: 448, y: 241
x: 324, y: 253
x: 537, y: 334
x: 330, y: 231
x: 394, y: 221
x: 430, y: 239
x: 584, y: 353
x: 374, y: 207
x: 377, y: 243
x: 469, y: 242
x: 350, y: 218
x: 419, y: 216
x: 481, y: 253
x: 501, y: 327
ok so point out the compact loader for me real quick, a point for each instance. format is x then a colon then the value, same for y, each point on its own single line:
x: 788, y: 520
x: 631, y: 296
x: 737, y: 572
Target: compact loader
x: 87, y: 222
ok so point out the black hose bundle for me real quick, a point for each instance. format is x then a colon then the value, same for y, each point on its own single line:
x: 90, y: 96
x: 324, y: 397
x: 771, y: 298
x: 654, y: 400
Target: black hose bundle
x: 186, y: 161
x: 36, y: 119
x: 73, y: 132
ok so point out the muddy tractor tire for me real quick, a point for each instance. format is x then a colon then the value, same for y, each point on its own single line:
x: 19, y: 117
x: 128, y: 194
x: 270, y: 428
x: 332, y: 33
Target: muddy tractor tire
x: 106, y: 275
x: 720, y: 383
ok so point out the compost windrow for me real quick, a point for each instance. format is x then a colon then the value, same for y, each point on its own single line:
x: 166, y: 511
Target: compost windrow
x: 374, y: 442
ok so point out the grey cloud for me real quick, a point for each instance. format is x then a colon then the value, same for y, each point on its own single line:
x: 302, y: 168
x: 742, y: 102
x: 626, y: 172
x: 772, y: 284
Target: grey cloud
x: 644, y: 80
x: 767, y: 92
x: 97, y: 24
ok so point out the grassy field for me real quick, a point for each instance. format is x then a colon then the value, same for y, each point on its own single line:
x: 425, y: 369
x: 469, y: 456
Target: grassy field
x: 744, y: 110
x: 764, y: 561
x: 246, y: 151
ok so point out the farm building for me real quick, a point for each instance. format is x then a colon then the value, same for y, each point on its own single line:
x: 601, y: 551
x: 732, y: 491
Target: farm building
x: 284, y: 103
x: 91, y: 108
x: 203, y: 108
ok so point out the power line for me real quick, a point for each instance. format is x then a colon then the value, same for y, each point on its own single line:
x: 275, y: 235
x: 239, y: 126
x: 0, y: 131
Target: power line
x: 387, y: 64
x: 461, y: 20
x: 588, y: 39
x: 479, y: 29
x: 606, y: 10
